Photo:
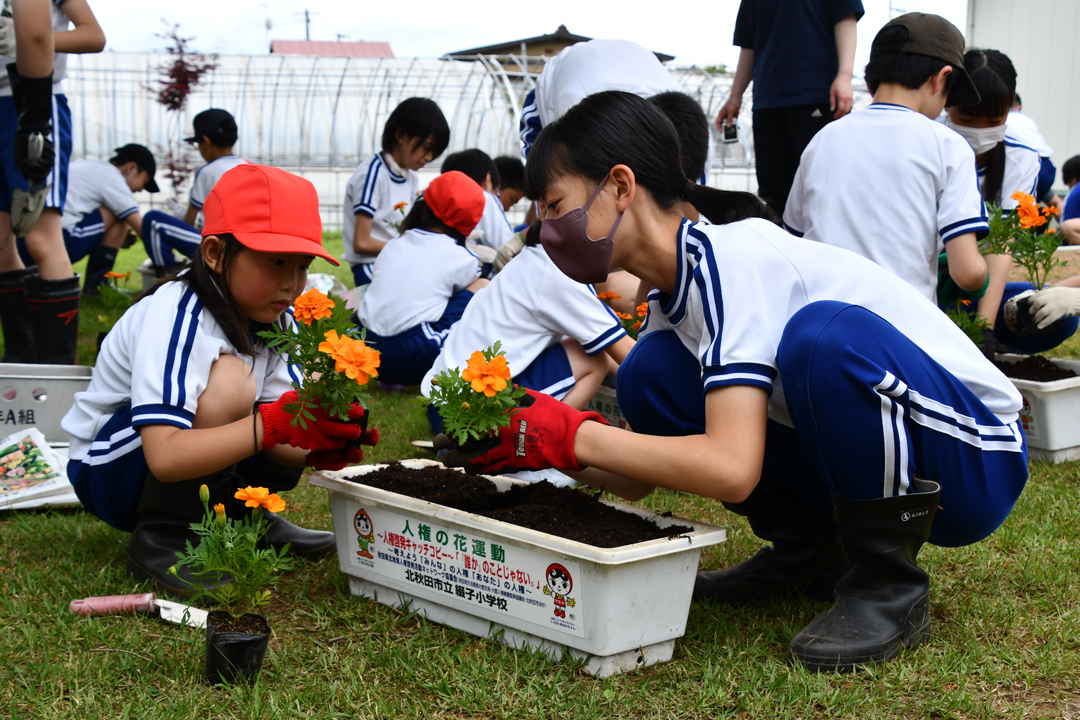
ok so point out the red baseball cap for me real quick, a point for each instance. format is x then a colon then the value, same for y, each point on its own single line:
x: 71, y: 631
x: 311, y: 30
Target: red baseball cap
x: 456, y: 199
x: 266, y: 209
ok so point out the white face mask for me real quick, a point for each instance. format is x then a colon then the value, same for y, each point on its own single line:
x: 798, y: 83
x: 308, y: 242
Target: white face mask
x: 980, y: 139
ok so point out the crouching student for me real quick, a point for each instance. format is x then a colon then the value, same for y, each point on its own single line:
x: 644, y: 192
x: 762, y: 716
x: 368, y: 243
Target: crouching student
x: 802, y: 385
x: 422, y: 282
x: 557, y: 335
x: 185, y: 393
x: 383, y: 188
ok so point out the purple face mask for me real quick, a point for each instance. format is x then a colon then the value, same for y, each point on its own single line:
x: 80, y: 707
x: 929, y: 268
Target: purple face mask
x: 567, y: 242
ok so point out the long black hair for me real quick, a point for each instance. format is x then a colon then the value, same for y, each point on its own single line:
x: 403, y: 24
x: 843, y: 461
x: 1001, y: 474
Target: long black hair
x: 994, y: 76
x: 213, y: 292
x: 618, y: 128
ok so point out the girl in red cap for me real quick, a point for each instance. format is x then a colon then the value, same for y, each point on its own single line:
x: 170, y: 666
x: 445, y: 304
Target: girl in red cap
x: 185, y: 393
x: 423, y: 281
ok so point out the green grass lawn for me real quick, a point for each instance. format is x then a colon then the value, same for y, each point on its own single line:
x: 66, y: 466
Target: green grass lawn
x: 1005, y: 643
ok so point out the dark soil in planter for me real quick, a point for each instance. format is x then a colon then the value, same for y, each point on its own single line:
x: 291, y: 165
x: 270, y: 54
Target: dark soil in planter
x: 563, y: 512
x: 1035, y: 367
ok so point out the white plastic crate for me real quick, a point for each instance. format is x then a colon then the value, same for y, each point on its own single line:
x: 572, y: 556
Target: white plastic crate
x: 1051, y: 413
x: 605, y: 403
x: 39, y: 396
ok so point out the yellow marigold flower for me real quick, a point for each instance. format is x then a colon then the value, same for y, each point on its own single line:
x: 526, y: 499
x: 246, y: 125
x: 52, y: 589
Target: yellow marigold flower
x: 400, y: 205
x: 643, y: 309
x: 605, y: 296
x: 352, y: 357
x: 486, y: 377
x: 252, y: 496
x: 312, y: 305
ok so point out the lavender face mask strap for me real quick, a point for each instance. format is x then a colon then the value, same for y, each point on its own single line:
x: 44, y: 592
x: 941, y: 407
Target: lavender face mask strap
x: 594, y: 195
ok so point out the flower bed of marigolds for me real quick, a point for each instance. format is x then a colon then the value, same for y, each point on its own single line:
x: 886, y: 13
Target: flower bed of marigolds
x: 1005, y: 644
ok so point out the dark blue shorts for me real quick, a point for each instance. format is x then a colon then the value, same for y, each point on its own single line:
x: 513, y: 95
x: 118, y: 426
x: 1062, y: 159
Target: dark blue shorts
x: 870, y: 410
x: 85, y: 236
x: 407, y: 356
x: 362, y: 273
x: 10, y: 179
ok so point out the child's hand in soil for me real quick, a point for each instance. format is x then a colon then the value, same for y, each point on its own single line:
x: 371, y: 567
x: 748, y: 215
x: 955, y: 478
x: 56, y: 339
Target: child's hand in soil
x: 540, y: 436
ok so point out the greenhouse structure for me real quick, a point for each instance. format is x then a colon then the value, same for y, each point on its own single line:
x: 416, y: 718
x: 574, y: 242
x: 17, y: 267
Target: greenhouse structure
x: 321, y: 116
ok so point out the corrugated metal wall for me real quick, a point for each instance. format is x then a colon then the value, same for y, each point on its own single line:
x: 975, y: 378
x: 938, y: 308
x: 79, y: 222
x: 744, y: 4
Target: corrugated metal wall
x: 1042, y: 38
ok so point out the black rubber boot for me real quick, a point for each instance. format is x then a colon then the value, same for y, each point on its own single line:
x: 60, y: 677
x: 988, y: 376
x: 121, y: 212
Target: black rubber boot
x: 54, y: 316
x: 166, y: 511
x: 807, y: 554
x: 100, y: 261
x: 15, y: 317
x: 883, y: 602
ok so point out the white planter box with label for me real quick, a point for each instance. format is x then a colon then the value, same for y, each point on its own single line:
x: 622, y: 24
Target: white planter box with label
x: 616, y: 608
x: 1051, y: 413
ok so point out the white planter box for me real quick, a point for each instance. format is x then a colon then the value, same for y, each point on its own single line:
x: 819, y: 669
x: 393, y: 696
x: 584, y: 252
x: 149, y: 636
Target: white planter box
x: 1051, y: 413
x: 623, y: 610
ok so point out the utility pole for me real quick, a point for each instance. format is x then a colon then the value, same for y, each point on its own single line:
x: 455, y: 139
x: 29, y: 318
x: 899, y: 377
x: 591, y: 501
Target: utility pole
x: 307, y: 22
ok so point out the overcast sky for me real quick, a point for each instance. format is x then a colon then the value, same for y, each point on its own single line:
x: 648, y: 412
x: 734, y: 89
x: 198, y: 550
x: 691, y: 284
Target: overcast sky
x: 696, y: 32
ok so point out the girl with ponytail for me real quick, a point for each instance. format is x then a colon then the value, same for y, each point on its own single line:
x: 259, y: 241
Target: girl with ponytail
x: 798, y: 383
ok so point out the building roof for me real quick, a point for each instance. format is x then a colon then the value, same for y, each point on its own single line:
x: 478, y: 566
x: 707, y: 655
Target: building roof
x: 514, y: 46
x: 330, y: 48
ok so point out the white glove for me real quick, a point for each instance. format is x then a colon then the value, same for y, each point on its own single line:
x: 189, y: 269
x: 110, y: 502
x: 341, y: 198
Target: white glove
x: 7, y: 36
x: 1052, y: 304
x: 508, y: 251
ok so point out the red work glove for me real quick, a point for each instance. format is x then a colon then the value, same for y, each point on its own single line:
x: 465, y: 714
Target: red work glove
x: 349, y: 455
x: 322, y: 433
x: 540, y: 436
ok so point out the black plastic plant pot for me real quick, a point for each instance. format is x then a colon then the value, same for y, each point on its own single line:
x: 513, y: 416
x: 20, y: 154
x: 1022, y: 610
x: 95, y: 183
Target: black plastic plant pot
x: 1020, y: 320
x: 232, y: 656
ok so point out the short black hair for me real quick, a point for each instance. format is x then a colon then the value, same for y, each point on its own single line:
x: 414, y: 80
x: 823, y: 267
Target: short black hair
x: 475, y: 163
x: 691, y: 126
x: 422, y: 216
x: 1070, y: 171
x: 892, y: 65
x: 511, y: 172
x: 1016, y: 100
x: 418, y: 118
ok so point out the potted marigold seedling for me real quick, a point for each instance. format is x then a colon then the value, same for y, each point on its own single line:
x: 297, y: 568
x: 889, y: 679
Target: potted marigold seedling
x: 334, y: 360
x: 476, y: 401
x: 233, y: 572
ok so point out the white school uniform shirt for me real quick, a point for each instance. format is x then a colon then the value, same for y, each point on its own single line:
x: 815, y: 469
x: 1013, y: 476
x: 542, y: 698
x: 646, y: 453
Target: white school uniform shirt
x: 60, y: 23
x: 206, y: 178
x: 413, y: 279
x: 493, y: 229
x: 738, y: 285
x: 1025, y: 130
x: 158, y: 358
x: 893, y: 186
x: 93, y: 184
x: 529, y: 306
x: 375, y: 188
x: 1021, y: 172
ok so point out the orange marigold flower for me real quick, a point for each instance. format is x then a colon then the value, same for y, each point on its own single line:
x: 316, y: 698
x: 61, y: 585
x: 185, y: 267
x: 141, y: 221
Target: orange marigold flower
x: 1030, y: 217
x: 252, y: 496
x: 637, y: 326
x: 274, y: 503
x: 605, y: 296
x: 643, y: 309
x: 1023, y: 198
x: 312, y: 305
x: 219, y: 509
x: 1051, y: 231
x: 623, y: 316
x: 397, y: 206
x: 117, y: 276
x: 965, y: 302
x: 488, y: 377
x: 1050, y: 210
x: 351, y: 356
